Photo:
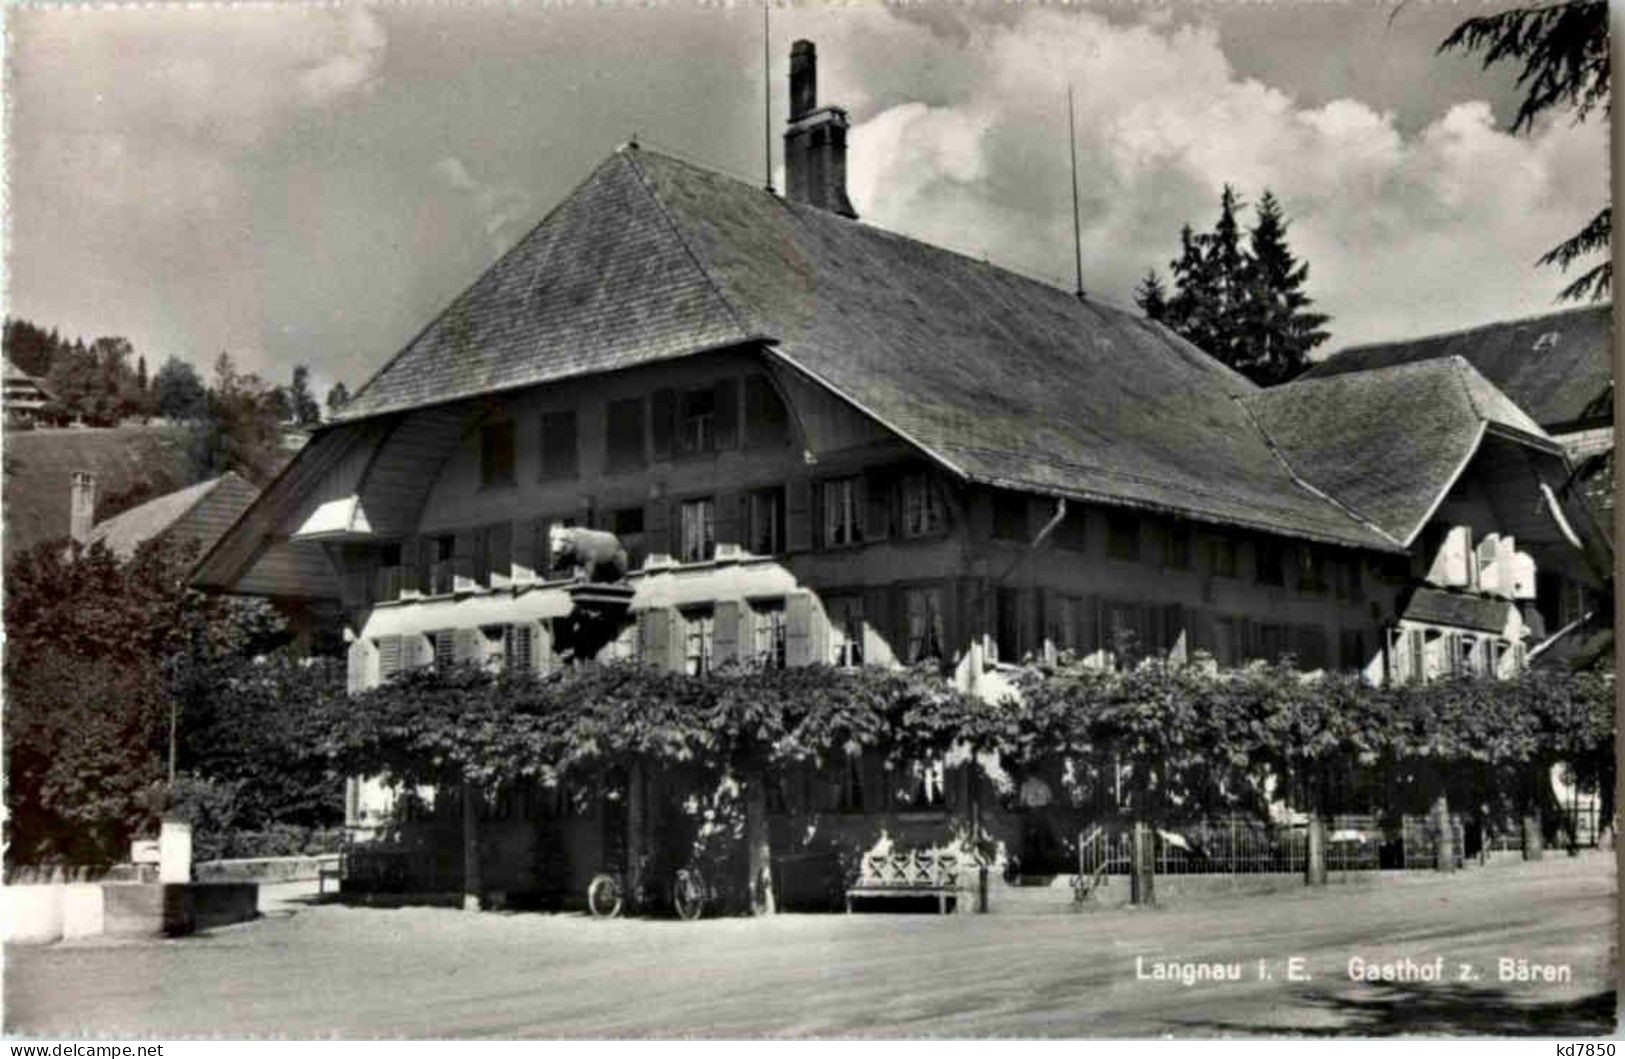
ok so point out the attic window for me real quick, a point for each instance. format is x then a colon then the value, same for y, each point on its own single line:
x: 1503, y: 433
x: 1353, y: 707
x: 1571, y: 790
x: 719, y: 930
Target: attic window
x: 1547, y: 341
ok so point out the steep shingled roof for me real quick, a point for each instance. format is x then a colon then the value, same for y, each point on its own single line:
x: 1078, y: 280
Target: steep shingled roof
x: 1006, y: 380
x: 1557, y: 367
x: 1388, y: 442
x: 206, y: 510
x: 1436, y: 607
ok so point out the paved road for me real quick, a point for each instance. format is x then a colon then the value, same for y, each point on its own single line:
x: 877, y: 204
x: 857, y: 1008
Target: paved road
x: 352, y: 972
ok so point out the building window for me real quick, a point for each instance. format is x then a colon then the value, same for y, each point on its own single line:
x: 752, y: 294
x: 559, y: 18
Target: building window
x: 1272, y: 642
x: 558, y: 458
x: 697, y: 425
x: 1073, y: 532
x: 767, y: 633
x: 1271, y: 563
x: 846, y: 630
x: 389, y: 578
x: 1123, y: 535
x: 765, y: 521
x: 1176, y: 545
x: 1311, y: 570
x: 922, y: 507
x: 623, y: 435
x: 925, y: 627
x: 442, y: 552
x: 496, y: 454
x: 767, y: 421
x: 627, y: 525
x: 1223, y: 550
x: 1124, y: 634
x: 1010, y: 516
x: 843, y: 511
x: 697, y: 533
x: 1351, y: 649
x: 698, y: 633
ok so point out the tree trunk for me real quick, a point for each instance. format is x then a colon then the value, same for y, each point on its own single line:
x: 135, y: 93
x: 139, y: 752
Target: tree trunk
x: 759, y: 846
x: 472, y: 884
x: 1143, y: 866
x: 1534, y: 838
x: 636, y: 826
x: 1314, y: 865
x: 1445, y: 838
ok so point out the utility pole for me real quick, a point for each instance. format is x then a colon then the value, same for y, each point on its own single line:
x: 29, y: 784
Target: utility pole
x: 1077, y: 235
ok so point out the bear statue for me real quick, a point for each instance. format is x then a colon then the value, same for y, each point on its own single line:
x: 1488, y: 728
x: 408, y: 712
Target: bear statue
x: 596, y: 555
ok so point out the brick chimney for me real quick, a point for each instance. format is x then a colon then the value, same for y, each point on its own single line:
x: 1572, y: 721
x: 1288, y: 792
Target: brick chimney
x: 815, y: 142
x: 82, y: 506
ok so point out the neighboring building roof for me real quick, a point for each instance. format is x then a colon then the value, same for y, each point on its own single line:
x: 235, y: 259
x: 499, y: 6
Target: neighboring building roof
x: 1557, y: 367
x: 201, y: 512
x: 1006, y: 380
x: 1434, y: 607
x: 39, y: 465
x: 21, y: 388
x: 1388, y: 443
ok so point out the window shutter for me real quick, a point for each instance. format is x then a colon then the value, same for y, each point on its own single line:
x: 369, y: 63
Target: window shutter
x: 1175, y: 642
x: 519, y: 648
x: 409, y: 567
x: 663, y: 416
x: 652, y: 634
x: 674, y: 525
x: 798, y: 515
x: 815, y: 515
x: 884, y: 612
x: 355, y: 669
x: 467, y: 646
x: 499, y: 549
x: 463, y: 561
x: 798, y: 637
x: 389, y: 657
x: 542, y: 645
x: 726, y: 634
x: 676, y: 634
x: 730, y: 525
x: 878, y: 507
x: 726, y: 394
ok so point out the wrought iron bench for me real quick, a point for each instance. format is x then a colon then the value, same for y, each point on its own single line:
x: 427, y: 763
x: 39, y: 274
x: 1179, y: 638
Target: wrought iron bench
x: 907, y: 874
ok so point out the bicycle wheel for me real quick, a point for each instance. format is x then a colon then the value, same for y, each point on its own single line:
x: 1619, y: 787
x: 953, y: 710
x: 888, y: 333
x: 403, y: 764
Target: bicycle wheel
x: 688, y: 894
x: 604, y: 898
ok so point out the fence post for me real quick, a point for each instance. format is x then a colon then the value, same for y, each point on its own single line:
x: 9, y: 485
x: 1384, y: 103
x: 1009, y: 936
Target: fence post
x: 758, y: 844
x: 1444, y: 850
x: 1314, y: 865
x: 1142, y: 865
x: 471, y: 848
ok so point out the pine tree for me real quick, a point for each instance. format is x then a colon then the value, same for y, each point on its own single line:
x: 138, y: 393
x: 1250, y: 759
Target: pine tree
x: 1278, y: 329
x: 141, y: 372
x: 1152, y: 297
x: 1242, y: 302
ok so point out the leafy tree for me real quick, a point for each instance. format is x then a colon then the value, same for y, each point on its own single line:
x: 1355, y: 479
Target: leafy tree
x: 100, y: 655
x: 179, y: 391
x: 1564, y: 51
x: 241, y: 429
x: 337, y: 397
x: 1241, y: 302
x: 29, y: 348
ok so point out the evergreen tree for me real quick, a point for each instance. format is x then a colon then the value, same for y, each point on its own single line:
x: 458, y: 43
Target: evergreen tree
x: 337, y: 397
x: 1242, y: 301
x: 306, y: 412
x: 141, y: 372
x: 1278, y: 329
x: 1152, y: 297
x: 1564, y: 51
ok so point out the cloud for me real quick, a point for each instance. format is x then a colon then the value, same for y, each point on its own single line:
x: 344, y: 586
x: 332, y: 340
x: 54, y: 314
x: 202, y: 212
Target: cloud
x: 1404, y: 232
x: 502, y: 211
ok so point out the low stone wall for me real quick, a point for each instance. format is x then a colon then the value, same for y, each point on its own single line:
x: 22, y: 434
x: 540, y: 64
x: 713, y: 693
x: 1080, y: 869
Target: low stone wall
x: 50, y: 912
x: 147, y: 910
x: 265, y: 869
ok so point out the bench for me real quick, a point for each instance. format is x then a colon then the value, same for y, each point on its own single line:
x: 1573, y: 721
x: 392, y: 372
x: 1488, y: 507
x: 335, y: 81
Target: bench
x: 907, y: 874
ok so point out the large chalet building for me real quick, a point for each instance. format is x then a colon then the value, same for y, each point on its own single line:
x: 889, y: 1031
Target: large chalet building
x: 822, y: 442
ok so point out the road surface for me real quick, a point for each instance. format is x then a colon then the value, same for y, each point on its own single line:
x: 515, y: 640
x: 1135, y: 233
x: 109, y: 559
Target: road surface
x: 322, y: 971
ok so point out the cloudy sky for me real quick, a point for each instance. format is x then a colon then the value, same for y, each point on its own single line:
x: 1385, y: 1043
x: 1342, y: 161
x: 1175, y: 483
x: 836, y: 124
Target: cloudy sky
x: 311, y: 184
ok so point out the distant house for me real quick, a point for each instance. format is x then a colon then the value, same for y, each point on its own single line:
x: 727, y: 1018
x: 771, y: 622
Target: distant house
x: 821, y: 442
x: 200, y: 513
x: 24, y: 397
x: 126, y: 461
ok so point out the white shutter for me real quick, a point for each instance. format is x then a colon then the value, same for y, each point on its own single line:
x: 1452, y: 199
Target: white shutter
x: 389, y: 657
